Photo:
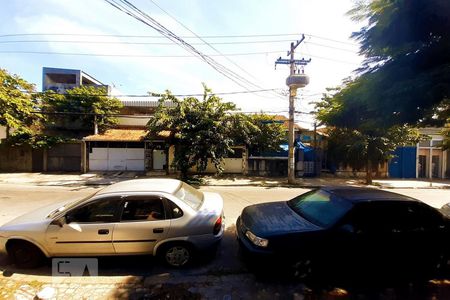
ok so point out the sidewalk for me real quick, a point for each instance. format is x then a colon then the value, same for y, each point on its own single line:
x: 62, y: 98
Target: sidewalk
x: 107, y: 178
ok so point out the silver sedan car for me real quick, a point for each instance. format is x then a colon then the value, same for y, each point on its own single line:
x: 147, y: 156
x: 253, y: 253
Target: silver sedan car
x: 164, y: 217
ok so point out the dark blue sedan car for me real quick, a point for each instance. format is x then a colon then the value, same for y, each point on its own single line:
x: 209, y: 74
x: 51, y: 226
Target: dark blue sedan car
x: 343, y: 229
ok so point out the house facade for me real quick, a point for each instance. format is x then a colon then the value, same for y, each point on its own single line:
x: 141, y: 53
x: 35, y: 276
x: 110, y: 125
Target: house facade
x: 129, y: 146
x: 431, y: 160
x: 309, y: 145
x: 126, y: 147
x: 67, y: 157
x: 427, y: 159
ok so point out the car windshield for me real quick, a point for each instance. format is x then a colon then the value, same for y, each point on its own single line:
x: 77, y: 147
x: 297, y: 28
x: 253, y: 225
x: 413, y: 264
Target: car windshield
x: 320, y: 207
x: 191, y: 196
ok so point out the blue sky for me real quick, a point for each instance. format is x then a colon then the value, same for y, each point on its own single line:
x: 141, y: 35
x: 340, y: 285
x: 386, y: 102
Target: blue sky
x: 322, y: 20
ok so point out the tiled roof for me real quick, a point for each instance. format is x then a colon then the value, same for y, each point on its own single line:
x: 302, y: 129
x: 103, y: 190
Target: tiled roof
x: 124, y: 135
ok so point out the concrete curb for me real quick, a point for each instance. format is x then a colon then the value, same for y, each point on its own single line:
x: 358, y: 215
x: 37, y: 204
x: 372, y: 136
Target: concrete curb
x: 98, y: 180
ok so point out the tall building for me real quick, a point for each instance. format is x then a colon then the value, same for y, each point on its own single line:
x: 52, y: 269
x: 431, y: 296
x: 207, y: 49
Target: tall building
x: 60, y: 80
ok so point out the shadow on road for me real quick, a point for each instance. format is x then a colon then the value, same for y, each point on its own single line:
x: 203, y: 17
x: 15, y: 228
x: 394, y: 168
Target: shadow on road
x: 227, y: 274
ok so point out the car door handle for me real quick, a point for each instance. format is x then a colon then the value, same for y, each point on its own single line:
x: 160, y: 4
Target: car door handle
x: 158, y: 230
x: 103, y: 231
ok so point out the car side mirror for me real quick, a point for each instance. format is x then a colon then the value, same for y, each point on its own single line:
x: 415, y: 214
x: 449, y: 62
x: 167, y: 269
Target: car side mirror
x: 69, y: 219
x: 60, y: 221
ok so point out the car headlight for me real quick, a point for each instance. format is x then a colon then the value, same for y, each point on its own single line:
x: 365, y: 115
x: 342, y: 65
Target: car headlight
x: 260, y: 242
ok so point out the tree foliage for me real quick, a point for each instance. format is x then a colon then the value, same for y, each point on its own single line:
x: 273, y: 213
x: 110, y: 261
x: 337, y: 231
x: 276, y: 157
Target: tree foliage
x: 358, y: 139
x: 19, y: 107
x: 198, y: 129
x: 259, y: 132
x: 16, y: 102
x: 18, y: 111
x: 204, y: 130
x: 406, y: 74
x: 84, y: 104
x: 353, y: 148
x: 405, y: 80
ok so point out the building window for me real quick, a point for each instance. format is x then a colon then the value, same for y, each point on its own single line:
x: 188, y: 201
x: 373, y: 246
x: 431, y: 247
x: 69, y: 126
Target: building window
x: 424, y: 143
x: 436, y: 143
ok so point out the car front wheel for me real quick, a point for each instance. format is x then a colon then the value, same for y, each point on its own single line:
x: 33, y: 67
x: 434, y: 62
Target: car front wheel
x: 25, y: 255
x: 177, y: 255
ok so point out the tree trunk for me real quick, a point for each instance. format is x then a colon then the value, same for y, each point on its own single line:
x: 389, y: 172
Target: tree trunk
x: 369, y: 172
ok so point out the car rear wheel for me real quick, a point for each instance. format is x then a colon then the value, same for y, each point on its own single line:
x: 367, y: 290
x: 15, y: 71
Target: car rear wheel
x: 25, y: 254
x: 177, y: 255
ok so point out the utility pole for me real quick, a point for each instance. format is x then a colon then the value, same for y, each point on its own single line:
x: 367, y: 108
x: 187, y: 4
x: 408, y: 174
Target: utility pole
x: 294, y: 81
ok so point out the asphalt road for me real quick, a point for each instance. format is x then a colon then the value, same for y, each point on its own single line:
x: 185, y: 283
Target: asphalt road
x: 18, y: 199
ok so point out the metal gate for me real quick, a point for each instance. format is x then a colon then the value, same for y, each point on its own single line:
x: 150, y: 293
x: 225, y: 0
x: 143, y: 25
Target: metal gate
x: 64, y: 157
x: 403, y: 165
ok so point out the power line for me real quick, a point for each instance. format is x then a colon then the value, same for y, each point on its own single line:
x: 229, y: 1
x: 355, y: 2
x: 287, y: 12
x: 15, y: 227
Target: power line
x: 335, y: 60
x: 138, y: 43
x: 332, y: 47
x: 331, y: 40
x: 149, y: 36
x: 133, y: 55
x: 185, y: 37
x: 162, y: 56
x: 158, y: 95
x: 209, y: 45
x: 131, y: 10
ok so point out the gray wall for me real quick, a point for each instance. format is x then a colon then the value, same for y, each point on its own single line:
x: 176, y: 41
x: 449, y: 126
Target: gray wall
x: 64, y: 157
x: 15, y: 159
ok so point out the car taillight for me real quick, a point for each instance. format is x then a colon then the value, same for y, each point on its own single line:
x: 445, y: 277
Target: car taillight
x: 217, y: 226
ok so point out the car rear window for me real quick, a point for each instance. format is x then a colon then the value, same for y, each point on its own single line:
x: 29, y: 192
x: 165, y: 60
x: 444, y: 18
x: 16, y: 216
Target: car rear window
x: 320, y: 207
x: 190, y: 196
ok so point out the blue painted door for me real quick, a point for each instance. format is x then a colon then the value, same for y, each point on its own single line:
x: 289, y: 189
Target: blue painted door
x: 403, y: 165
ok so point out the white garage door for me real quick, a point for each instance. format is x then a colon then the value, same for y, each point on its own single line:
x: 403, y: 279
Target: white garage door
x: 116, y: 159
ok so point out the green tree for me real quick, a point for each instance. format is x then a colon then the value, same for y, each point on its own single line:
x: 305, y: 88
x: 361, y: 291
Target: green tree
x: 259, y: 132
x: 359, y: 139
x: 85, y: 104
x: 206, y: 129
x: 405, y: 79
x: 16, y: 102
x: 199, y: 130
x: 353, y: 148
x: 406, y: 73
